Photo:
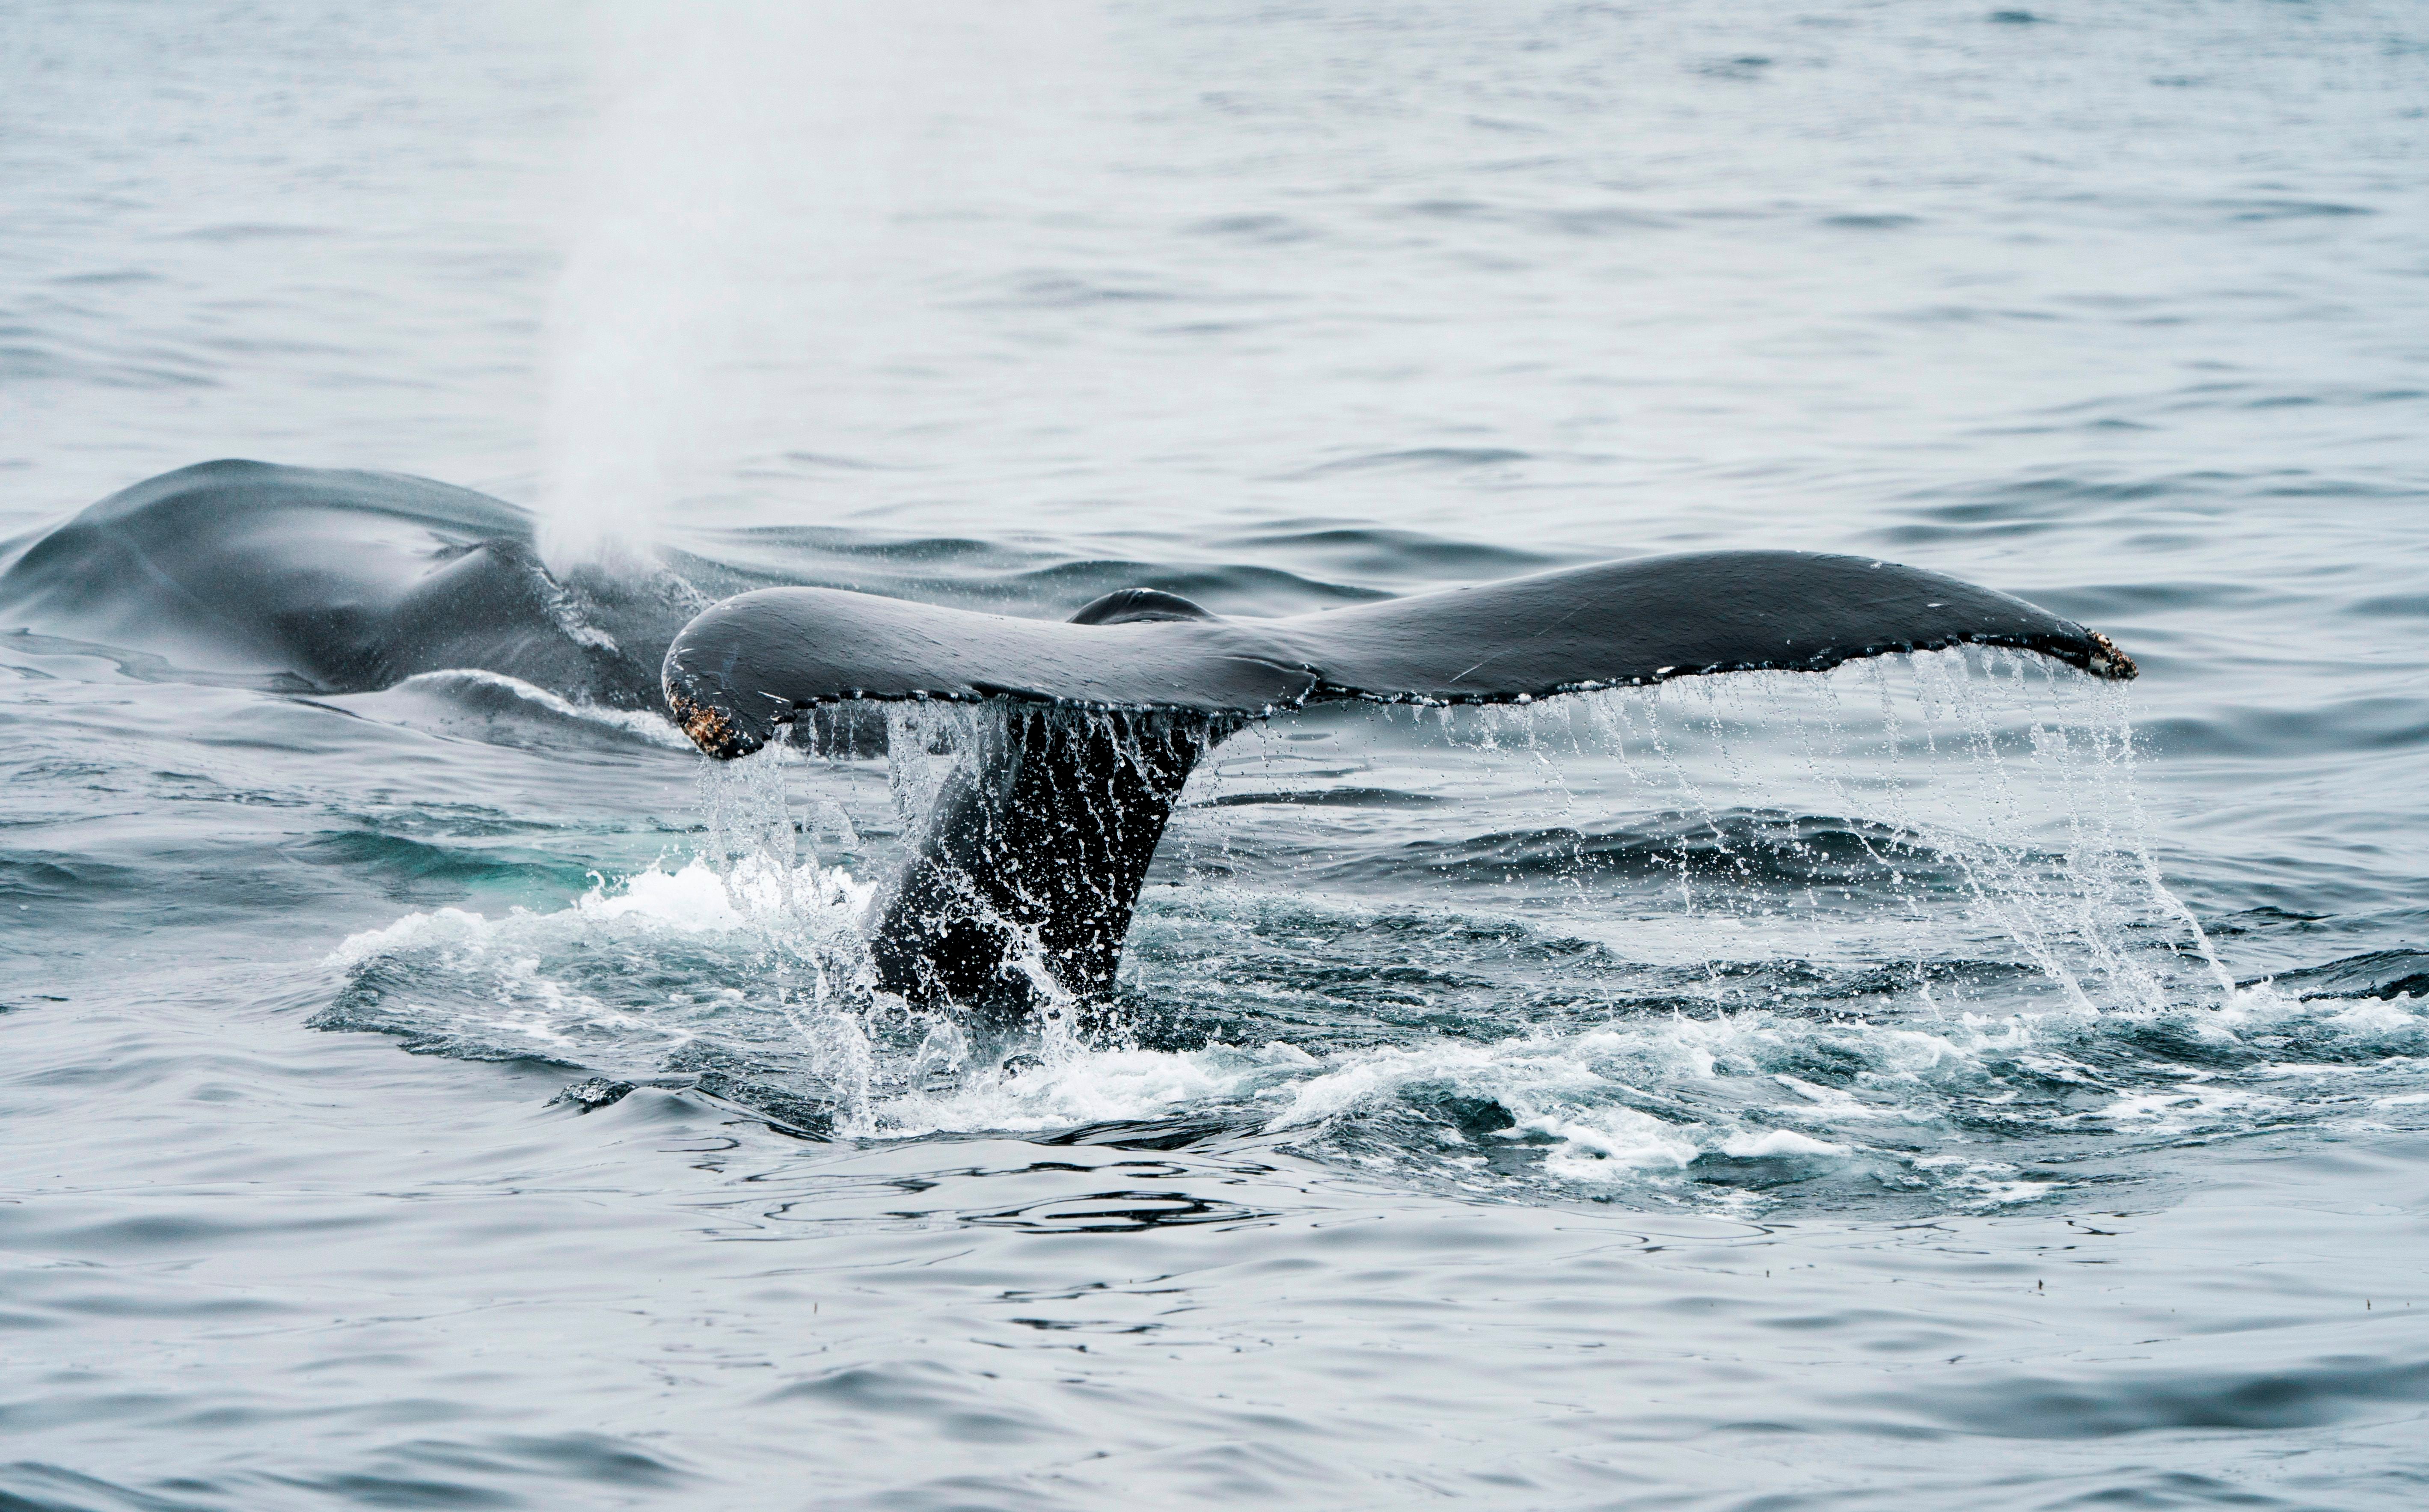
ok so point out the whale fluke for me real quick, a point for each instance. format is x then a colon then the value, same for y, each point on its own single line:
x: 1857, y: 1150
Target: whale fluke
x: 1032, y: 858
x: 759, y: 658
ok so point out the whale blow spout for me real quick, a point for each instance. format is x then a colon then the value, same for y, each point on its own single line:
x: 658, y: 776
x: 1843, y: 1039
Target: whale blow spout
x: 1022, y: 886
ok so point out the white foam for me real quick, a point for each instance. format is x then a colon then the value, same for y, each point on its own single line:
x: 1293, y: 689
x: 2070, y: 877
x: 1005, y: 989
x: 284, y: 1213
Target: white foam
x: 692, y: 898
x: 1596, y: 1145
x: 1827, y: 1104
x: 1360, y: 1079
x: 1095, y: 1087
x: 1777, y: 1142
x: 639, y: 723
x: 763, y: 945
x: 2198, y: 1106
x: 2380, y: 1019
x: 1630, y: 1101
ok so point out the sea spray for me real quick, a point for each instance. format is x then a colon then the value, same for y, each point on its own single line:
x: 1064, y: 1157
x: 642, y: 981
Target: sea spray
x: 1993, y: 767
x: 928, y: 743
x: 1733, y: 944
x: 811, y: 957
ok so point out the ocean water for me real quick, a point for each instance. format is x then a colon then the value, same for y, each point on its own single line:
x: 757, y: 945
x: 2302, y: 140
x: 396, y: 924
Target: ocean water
x: 1943, y: 1082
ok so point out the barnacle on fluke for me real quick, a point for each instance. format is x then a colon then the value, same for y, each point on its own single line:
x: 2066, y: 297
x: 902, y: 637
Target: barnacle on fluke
x: 2108, y: 662
x: 708, y: 727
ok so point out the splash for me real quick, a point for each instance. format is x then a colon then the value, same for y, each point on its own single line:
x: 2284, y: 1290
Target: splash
x: 1889, y: 937
x: 809, y: 957
x: 495, y: 706
x: 1892, y: 808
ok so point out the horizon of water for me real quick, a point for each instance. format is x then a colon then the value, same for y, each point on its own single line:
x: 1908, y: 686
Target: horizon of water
x: 1949, y: 1081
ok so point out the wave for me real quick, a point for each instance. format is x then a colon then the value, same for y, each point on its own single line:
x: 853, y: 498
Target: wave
x: 1750, y: 848
x: 2379, y: 973
x: 501, y: 709
x: 1857, y: 1091
x: 1420, y: 459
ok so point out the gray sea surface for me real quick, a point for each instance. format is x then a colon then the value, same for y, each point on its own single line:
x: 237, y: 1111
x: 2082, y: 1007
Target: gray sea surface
x: 1944, y: 1082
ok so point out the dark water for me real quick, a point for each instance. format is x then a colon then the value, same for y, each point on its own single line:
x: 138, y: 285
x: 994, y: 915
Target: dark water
x: 1946, y: 1083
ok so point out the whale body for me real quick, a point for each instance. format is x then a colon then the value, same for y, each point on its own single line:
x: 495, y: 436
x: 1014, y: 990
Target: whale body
x: 336, y: 582
x: 1020, y: 885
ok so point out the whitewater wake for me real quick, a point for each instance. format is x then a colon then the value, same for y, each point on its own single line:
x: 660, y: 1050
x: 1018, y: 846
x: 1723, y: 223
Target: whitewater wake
x: 1883, y: 937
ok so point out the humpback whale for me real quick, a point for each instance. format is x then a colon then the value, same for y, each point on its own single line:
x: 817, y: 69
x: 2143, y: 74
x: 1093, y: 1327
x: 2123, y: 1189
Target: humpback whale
x: 339, y: 582
x: 1021, y: 885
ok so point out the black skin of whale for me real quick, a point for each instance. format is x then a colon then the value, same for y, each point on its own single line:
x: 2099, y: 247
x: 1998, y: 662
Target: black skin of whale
x: 336, y: 582
x: 1020, y: 889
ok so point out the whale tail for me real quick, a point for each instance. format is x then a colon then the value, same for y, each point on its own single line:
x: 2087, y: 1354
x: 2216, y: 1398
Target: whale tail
x: 1020, y: 888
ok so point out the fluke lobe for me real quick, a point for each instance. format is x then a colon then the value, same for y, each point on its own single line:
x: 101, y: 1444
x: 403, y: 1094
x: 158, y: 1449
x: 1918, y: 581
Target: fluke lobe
x: 1022, y: 886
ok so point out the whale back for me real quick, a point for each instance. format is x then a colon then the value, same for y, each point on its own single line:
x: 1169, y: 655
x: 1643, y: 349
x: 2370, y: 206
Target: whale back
x: 336, y: 581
